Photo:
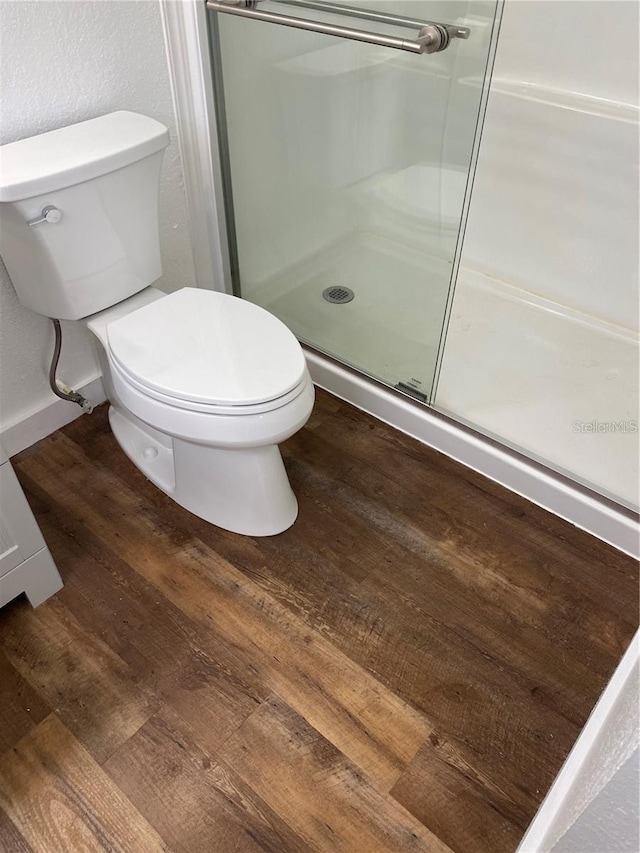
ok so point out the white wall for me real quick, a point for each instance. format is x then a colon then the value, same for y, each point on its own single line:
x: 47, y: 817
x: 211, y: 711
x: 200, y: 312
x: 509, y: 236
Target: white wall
x: 62, y: 62
x: 610, y: 822
x: 554, y: 208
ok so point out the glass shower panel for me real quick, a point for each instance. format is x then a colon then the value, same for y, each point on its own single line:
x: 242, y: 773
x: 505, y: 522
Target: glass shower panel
x: 346, y: 166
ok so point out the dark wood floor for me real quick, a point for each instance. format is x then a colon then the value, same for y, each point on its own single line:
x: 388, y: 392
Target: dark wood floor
x: 405, y: 669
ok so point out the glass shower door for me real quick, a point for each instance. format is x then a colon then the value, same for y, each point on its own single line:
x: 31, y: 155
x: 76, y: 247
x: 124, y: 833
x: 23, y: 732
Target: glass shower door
x: 346, y: 135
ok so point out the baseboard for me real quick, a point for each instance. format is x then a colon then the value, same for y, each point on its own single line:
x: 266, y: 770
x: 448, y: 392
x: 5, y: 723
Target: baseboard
x: 49, y: 417
x: 555, y: 493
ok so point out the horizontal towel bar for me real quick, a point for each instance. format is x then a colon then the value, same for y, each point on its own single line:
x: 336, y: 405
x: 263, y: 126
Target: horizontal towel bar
x: 369, y: 15
x: 431, y: 37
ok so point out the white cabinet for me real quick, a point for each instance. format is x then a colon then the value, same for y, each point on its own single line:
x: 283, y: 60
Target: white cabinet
x: 25, y: 562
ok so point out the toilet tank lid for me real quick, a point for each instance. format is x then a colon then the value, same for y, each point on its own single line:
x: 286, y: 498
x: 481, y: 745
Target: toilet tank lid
x: 77, y: 153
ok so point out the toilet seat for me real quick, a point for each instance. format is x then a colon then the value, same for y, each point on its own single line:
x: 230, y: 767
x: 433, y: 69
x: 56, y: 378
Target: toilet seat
x: 222, y: 427
x: 205, y: 408
x: 207, y: 352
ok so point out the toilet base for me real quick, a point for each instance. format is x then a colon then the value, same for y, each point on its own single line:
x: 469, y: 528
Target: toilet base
x: 244, y: 490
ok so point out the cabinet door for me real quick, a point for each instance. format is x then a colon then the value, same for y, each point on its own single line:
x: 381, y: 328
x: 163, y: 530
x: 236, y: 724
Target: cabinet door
x: 25, y: 562
x: 20, y: 535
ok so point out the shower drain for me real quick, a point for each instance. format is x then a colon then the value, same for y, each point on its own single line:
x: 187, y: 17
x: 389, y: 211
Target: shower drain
x: 338, y: 295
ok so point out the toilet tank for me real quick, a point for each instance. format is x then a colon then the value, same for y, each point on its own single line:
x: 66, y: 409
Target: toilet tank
x: 100, y: 242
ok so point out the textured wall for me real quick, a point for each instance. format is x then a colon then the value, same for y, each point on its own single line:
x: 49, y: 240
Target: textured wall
x: 610, y: 822
x: 593, y: 805
x: 62, y: 62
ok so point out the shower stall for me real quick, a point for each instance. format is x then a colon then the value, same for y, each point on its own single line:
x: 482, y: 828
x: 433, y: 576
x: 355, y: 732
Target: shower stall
x: 362, y: 199
x: 346, y: 158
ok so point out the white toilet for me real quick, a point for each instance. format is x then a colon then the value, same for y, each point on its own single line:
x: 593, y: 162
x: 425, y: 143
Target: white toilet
x: 203, y: 386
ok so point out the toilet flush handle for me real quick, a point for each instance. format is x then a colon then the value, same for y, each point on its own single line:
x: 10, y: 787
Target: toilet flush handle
x: 48, y: 214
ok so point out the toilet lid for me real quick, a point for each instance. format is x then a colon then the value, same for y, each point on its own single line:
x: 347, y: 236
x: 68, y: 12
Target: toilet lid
x: 207, y: 347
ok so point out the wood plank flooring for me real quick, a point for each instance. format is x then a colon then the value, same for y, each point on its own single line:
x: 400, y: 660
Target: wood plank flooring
x: 404, y: 669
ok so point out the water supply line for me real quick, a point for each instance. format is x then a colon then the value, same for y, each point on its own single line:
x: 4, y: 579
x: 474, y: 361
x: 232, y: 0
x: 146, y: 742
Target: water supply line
x: 59, y: 388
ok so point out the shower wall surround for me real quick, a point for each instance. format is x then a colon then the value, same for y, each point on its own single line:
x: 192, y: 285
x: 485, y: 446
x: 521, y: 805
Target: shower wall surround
x: 542, y: 347
x: 555, y: 200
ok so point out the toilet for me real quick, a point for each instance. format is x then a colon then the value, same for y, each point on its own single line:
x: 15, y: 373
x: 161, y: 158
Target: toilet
x: 202, y: 386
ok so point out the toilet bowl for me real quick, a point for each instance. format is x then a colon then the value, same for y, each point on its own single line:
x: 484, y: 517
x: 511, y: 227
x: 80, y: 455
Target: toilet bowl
x: 203, y: 386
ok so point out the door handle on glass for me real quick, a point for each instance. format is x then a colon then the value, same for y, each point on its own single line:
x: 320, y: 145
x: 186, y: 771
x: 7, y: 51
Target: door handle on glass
x: 431, y: 37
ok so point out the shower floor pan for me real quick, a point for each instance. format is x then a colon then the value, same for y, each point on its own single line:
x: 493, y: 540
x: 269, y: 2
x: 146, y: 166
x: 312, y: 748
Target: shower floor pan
x: 558, y: 385
x: 529, y: 372
x: 389, y: 330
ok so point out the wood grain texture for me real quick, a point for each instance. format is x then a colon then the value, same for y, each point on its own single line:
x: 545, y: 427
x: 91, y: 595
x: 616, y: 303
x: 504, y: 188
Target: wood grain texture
x: 88, y: 686
x: 21, y: 707
x: 282, y: 757
x: 10, y: 838
x: 494, y: 818
x: 404, y: 669
x: 195, y: 802
x: 373, y: 726
x: 60, y: 799
x: 184, y: 668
